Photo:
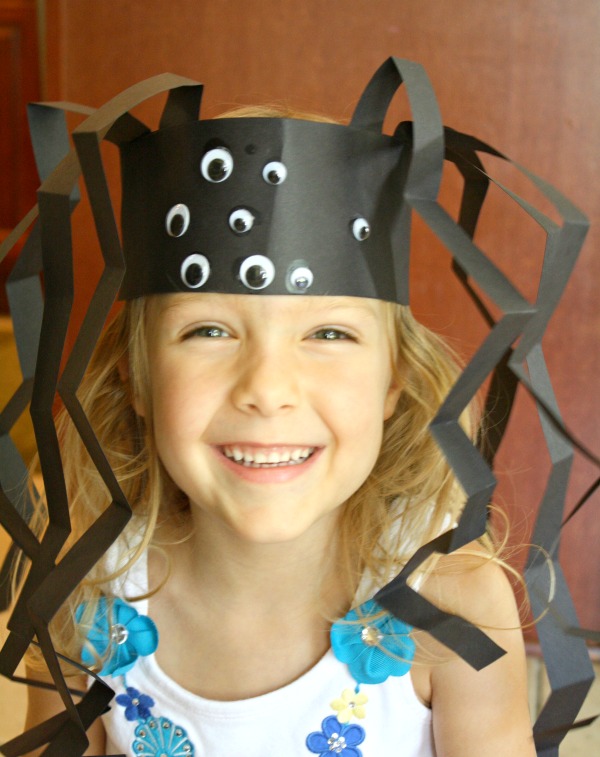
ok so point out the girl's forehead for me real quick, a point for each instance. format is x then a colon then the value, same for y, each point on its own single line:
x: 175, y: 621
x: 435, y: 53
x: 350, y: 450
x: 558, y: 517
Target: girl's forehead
x: 181, y: 304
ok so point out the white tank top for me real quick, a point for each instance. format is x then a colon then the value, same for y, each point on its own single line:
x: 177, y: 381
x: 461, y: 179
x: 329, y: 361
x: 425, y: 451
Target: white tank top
x: 178, y: 723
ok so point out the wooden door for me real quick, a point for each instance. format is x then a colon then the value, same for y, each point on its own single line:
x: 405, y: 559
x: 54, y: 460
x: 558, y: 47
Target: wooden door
x: 19, y: 84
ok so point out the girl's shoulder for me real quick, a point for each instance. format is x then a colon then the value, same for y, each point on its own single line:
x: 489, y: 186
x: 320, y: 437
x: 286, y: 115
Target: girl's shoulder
x: 472, y: 707
x: 473, y: 582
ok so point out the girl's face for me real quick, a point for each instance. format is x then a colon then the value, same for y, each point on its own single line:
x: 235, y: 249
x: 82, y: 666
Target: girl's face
x: 268, y: 411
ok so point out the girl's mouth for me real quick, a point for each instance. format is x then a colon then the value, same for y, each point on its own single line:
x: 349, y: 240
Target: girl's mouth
x: 267, y: 457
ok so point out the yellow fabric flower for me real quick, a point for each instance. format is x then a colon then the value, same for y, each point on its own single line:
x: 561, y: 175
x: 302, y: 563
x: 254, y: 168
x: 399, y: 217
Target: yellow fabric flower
x: 350, y: 703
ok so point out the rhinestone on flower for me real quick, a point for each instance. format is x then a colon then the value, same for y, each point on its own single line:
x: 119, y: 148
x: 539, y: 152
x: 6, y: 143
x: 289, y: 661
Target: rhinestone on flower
x: 118, y: 633
x: 336, y: 743
x: 371, y: 636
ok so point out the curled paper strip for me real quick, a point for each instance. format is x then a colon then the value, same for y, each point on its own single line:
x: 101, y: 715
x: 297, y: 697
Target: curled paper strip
x: 400, y: 177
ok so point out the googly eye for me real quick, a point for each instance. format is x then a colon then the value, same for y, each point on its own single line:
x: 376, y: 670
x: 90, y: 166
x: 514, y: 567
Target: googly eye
x: 257, y: 272
x: 177, y: 220
x: 274, y: 172
x: 361, y: 229
x: 299, y: 278
x: 217, y: 165
x: 195, y: 271
x: 241, y: 220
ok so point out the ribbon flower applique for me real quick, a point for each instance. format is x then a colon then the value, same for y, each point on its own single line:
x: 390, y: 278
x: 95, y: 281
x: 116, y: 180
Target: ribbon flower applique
x: 373, y: 643
x: 119, y: 635
x: 336, y: 738
x: 351, y: 703
x: 137, y: 706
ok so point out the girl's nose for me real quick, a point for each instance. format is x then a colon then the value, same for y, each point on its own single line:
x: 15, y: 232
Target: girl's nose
x: 267, y: 383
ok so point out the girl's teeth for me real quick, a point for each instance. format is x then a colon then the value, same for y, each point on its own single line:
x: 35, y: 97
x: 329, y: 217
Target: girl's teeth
x: 261, y: 458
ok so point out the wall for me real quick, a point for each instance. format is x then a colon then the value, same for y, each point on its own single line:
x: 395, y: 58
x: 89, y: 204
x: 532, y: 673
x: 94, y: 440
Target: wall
x: 19, y: 83
x: 521, y: 74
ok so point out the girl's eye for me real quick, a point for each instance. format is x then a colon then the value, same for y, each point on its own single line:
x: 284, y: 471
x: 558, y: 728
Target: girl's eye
x: 207, y: 332
x: 332, y: 334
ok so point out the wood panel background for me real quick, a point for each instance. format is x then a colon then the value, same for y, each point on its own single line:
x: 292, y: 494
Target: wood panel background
x: 19, y: 84
x: 523, y: 75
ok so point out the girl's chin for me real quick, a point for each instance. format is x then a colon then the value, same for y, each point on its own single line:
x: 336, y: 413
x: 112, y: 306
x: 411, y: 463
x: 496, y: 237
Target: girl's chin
x: 270, y: 531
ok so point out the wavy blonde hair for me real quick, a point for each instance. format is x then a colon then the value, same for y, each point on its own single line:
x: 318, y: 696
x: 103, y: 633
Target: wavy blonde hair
x: 410, y: 496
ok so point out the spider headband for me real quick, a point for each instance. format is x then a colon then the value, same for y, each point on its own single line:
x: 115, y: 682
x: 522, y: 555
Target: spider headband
x: 275, y: 206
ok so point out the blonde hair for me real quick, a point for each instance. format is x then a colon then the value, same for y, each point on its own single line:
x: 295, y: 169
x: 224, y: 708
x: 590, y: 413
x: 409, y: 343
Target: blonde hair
x: 409, y: 497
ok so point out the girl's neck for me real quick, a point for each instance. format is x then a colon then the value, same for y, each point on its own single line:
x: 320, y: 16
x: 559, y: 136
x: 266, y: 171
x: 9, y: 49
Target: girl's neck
x: 300, y: 574
x: 258, y: 614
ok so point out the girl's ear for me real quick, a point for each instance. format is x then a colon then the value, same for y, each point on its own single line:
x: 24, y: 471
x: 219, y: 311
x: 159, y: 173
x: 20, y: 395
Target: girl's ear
x: 136, y: 403
x: 392, y: 397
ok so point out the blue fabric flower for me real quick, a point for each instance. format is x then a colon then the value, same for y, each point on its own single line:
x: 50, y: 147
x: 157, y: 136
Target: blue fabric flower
x: 137, y: 706
x: 335, y: 738
x: 373, y: 643
x: 128, y: 636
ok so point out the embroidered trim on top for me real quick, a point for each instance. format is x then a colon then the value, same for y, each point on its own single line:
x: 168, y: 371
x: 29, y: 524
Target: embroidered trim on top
x: 154, y: 736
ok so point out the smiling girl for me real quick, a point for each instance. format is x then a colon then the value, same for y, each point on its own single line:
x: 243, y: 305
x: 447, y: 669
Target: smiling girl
x: 263, y: 420
x: 265, y: 403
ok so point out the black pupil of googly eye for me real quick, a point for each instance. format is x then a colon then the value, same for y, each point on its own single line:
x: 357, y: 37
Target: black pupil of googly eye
x: 300, y: 277
x: 361, y: 229
x: 193, y: 274
x: 241, y: 220
x: 274, y: 173
x: 177, y: 225
x: 256, y: 276
x: 217, y: 169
